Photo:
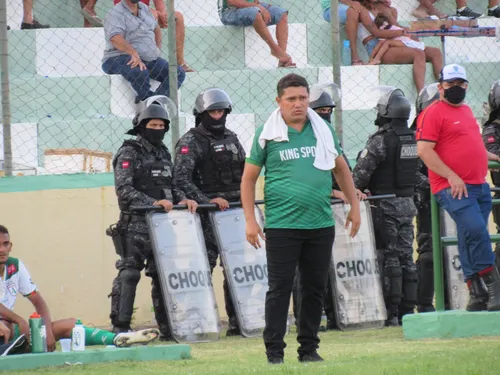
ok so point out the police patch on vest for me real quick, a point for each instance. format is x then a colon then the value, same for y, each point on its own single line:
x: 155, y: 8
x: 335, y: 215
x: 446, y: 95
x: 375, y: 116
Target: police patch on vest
x: 232, y: 147
x: 408, y: 151
x: 219, y: 148
x: 363, y: 153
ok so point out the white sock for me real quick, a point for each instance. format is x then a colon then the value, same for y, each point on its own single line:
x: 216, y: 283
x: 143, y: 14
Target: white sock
x: 461, y: 9
x: 493, y: 8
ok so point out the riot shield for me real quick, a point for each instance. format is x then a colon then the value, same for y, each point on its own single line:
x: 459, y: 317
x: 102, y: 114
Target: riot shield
x: 186, y: 283
x: 458, y: 295
x: 245, y: 268
x: 355, y: 274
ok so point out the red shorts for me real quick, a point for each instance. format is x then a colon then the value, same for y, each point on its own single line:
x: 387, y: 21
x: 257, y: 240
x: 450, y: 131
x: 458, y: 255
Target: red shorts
x: 142, y: 1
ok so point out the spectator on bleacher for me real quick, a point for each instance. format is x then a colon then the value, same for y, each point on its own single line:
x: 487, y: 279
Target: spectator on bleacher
x: 464, y: 11
x: 90, y: 18
x: 426, y: 8
x: 161, y: 15
x: 133, y: 41
x: 398, y: 55
x: 382, y: 22
x: 244, y: 13
x: 29, y: 22
x: 351, y: 13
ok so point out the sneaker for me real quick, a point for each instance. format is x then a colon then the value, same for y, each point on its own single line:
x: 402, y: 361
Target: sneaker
x: 494, y: 13
x: 34, y: 25
x: 18, y: 346
x: 467, y: 12
x: 143, y: 337
x: 275, y: 360
x: 310, y: 357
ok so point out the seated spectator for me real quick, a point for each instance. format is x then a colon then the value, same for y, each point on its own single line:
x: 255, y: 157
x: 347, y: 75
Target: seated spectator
x: 161, y: 15
x: 426, y: 9
x: 382, y: 22
x: 398, y: 55
x: 15, y: 280
x: 28, y: 21
x: 90, y: 18
x: 351, y: 14
x: 133, y: 41
x: 245, y: 13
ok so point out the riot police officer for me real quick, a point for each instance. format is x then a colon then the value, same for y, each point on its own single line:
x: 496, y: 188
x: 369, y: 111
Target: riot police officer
x: 388, y: 165
x: 422, y: 199
x: 208, y: 168
x: 491, y: 138
x: 143, y: 177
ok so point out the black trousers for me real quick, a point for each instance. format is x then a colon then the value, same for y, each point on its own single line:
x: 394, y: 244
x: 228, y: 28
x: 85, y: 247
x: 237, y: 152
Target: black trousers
x: 310, y: 251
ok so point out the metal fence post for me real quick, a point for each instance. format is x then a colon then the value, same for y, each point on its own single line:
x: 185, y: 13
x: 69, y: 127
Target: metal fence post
x: 4, y: 78
x: 437, y: 253
x: 336, y: 63
x: 172, y: 70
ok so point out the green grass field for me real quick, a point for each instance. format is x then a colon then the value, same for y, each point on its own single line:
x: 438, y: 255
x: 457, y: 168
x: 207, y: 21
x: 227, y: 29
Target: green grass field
x: 379, y: 352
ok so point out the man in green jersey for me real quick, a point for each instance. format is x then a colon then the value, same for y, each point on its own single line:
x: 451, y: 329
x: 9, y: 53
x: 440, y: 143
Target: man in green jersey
x: 299, y: 151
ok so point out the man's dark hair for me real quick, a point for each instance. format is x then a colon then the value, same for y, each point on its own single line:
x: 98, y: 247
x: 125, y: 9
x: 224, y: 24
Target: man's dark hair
x: 3, y: 230
x: 291, y: 80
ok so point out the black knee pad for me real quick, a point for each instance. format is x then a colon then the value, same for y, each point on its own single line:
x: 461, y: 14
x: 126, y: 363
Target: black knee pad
x: 393, y: 276
x: 130, y: 276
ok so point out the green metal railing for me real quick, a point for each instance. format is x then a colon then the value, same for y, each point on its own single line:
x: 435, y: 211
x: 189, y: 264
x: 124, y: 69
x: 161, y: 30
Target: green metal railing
x: 438, y: 242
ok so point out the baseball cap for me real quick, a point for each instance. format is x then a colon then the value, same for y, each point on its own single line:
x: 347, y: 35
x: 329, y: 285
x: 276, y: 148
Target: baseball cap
x: 452, y: 72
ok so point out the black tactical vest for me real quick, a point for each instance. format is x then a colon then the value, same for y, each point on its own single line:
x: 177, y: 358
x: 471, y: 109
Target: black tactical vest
x: 222, y: 167
x: 495, y: 176
x: 397, y: 173
x: 154, y: 178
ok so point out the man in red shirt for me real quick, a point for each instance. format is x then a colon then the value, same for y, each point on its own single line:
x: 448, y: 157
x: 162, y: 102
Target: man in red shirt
x: 451, y: 146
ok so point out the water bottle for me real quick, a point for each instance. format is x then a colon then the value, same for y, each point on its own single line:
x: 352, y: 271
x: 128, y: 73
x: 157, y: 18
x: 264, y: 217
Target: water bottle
x: 78, y: 337
x: 346, y: 53
x: 37, y: 336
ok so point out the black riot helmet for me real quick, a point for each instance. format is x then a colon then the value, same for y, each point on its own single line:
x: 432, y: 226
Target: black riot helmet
x: 156, y: 107
x: 210, y: 99
x: 392, y: 103
x: 494, y: 96
x: 428, y: 95
x: 323, y: 95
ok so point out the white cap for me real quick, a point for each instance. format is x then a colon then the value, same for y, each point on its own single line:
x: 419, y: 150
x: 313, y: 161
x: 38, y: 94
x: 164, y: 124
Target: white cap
x: 452, y: 72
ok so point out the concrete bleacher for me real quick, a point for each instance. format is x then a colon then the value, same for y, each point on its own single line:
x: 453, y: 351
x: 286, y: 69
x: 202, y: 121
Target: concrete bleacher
x: 59, y: 92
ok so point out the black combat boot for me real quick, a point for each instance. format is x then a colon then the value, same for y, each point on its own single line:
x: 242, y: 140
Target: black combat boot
x: 392, y: 317
x: 121, y: 328
x: 478, y: 295
x: 491, y: 278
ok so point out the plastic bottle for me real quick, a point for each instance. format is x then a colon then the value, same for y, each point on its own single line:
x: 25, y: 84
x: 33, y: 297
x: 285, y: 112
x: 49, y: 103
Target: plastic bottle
x: 346, y: 53
x: 37, y: 336
x: 78, y: 337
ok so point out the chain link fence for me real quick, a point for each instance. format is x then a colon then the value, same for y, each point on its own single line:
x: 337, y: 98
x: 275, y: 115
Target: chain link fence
x: 62, y: 114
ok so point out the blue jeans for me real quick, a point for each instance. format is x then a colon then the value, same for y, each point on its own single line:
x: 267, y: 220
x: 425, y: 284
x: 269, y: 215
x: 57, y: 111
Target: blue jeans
x: 139, y: 79
x: 342, y: 12
x: 471, y: 215
x: 370, y: 46
x: 244, y: 17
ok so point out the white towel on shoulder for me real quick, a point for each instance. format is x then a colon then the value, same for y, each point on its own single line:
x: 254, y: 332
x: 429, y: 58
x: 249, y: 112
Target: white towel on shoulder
x: 275, y: 129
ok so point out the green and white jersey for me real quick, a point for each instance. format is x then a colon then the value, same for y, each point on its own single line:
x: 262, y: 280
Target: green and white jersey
x: 297, y: 195
x: 16, y: 279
